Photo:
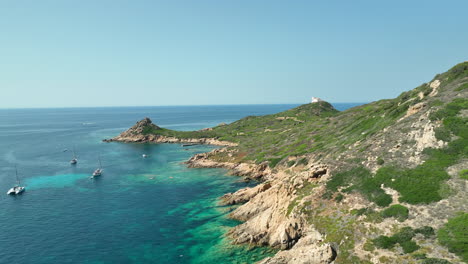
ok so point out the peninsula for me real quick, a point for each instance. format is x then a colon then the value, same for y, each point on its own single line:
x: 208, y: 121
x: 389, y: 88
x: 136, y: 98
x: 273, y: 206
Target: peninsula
x: 383, y: 182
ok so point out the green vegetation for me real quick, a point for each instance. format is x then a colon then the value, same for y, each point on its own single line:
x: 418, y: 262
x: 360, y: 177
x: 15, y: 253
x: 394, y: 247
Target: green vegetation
x: 403, y: 238
x: 435, y: 261
x: 341, y: 230
x: 458, y: 71
x: 426, y: 231
x: 409, y: 246
x: 359, y: 212
x: 303, y: 161
x: 339, y: 197
x: 360, y: 179
x: 462, y: 87
x: 421, y: 185
x: 368, y: 246
x: 380, y: 161
x: 291, y: 163
x: 420, y: 256
x: 463, y: 174
x: 315, y: 127
x: 397, y: 211
x: 454, y: 235
x: 301, y: 193
x: 319, y: 128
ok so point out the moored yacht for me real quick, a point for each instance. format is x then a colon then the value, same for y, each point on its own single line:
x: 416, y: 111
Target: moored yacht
x: 17, y: 189
x: 98, y: 171
x: 74, y: 160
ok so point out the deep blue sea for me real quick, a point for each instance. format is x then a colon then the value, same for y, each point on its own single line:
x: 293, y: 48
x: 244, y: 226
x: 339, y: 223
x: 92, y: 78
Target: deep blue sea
x: 152, y: 210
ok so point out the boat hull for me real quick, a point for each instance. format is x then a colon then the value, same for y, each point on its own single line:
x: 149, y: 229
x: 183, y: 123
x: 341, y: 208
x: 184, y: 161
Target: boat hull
x: 16, y: 190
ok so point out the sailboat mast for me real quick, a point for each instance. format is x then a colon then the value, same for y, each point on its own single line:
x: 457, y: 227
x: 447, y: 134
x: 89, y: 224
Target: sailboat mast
x: 16, y: 173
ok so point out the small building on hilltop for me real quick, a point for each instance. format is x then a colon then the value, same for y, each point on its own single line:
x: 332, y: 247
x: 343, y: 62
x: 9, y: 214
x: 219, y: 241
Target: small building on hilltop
x: 316, y: 100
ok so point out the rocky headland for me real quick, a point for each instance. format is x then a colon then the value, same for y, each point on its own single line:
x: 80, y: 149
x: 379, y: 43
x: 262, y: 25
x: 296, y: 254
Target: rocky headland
x: 136, y: 134
x: 380, y: 183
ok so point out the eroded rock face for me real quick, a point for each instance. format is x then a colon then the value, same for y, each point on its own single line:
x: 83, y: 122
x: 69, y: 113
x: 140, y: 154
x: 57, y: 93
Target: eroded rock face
x: 424, y: 134
x: 308, y: 250
x: 244, y: 195
x: 415, y: 108
x: 265, y: 219
x: 434, y: 85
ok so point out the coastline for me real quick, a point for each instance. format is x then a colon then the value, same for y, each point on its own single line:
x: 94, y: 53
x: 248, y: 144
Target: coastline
x: 262, y: 207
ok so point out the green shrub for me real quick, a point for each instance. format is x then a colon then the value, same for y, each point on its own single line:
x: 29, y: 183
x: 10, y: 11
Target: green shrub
x: 403, y: 238
x: 462, y: 87
x: 420, y: 256
x: 409, y: 246
x: 427, y: 231
x: 303, y: 161
x: 273, y: 162
x: 291, y: 163
x: 416, y: 186
x: 454, y: 235
x: 339, y: 197
x: 360, y: 211
x: 405, y: 234
x: 463, y: 174
x: 384, y: 242
x: 397, y: 211
x: 327, y: 195
x: 368, y: 246
x: 360, y: 179
x: 442, y: 133
x: 435, y: 261
x: 380, y: 161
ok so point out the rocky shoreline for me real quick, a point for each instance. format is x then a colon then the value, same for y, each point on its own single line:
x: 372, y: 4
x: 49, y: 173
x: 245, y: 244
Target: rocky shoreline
x: 263, y: 211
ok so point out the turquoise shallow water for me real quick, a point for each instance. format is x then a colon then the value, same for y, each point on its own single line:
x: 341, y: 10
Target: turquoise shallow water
x: 152, y: 210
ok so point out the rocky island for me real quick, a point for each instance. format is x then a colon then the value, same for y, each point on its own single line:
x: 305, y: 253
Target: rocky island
x: 384, y: 182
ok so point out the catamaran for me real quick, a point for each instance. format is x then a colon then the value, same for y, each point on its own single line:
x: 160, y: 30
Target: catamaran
x: 17, y: 189
x: 73, y: 161
x: 98, y: 171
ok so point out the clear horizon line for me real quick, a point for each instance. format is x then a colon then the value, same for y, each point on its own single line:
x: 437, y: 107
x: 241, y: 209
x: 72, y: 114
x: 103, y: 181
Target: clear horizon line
x: 134, y: 106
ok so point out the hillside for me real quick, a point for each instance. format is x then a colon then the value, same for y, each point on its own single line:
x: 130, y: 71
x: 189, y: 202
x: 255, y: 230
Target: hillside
x: 384, y: 182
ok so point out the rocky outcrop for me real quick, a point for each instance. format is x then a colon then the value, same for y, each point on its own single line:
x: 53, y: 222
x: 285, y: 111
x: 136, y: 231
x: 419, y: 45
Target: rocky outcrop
x: 244, y: 195
x: 143, y: 132
x: 415, y: 108
x: 309, y: 250
x: 265, y: 219
x: 250, y: 170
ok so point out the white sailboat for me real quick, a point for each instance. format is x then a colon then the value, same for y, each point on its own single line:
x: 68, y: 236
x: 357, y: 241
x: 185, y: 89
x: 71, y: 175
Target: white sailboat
x: 98, y: 171
x: 17, y: 189
x: 74, y: 160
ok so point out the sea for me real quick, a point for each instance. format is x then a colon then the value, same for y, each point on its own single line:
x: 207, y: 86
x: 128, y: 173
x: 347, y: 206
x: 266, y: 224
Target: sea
x: 141, y: 210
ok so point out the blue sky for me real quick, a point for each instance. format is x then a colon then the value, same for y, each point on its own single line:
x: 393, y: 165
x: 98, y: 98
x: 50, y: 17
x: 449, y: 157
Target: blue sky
x: 126, y: 53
